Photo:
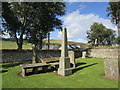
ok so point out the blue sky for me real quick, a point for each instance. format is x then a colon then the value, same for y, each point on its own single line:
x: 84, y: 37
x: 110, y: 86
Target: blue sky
x: 80, y: 16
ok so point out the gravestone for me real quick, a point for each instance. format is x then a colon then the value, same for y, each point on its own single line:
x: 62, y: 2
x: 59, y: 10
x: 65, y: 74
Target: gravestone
x: 84, y: 54
x: 71, y: 54
x: 111, y: 68
x: 64, y: 62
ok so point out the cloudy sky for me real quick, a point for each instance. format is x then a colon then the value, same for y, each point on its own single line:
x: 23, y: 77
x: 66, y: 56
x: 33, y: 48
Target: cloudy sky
x: 80, y: 16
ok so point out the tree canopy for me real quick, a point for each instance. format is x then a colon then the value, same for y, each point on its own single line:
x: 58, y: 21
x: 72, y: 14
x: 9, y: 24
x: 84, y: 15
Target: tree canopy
x: 103, y: 35
x: 114, y: 11
x: 32, y: 19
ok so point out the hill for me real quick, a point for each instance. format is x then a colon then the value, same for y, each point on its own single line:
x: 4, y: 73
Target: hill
x: 11, y: 44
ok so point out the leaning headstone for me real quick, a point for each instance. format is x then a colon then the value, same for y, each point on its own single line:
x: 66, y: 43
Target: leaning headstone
x: 84, y: 54
x: 64, y: 62
x: 71, y: 54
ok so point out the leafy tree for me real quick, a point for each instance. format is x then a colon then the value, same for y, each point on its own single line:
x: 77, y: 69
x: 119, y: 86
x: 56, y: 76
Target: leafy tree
x: 118, y: 40
x: 114, y: 13
x: 103, y: 35
x: 32, y: 19
x: 46, y: 19
x: 16, y: 20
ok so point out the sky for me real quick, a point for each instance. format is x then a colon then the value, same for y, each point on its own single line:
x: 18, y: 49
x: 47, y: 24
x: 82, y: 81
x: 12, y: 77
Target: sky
x: 80, y: 16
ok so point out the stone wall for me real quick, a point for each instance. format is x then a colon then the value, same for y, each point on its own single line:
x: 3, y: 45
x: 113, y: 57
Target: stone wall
x: 24, y: 55
x: 104, y: 52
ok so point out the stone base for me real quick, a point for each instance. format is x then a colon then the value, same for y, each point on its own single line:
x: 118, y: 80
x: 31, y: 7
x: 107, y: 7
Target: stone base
x: 64, y: 72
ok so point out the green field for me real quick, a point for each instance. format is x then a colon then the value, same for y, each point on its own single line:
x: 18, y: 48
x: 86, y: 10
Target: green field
x: 13, y: 45
x: 88, y: 74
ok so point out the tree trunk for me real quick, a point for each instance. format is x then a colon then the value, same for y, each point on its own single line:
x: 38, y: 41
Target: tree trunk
x: 48, y: 41
x: 20, y: 42
x: 40, y: 42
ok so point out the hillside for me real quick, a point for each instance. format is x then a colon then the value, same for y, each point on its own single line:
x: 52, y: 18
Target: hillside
x: 8, y: 44
x: 58, y: 41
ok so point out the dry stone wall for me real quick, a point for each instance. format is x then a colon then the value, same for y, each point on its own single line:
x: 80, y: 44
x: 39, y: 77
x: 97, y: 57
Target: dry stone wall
x: 26, y: 55
x: 104, y: 53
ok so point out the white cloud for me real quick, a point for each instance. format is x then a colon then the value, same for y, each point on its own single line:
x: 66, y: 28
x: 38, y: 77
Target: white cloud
x: 78, y: 24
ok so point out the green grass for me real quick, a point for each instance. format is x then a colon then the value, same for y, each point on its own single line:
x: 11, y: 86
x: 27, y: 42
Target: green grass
x: 88, y: 74
x: 13, y: 45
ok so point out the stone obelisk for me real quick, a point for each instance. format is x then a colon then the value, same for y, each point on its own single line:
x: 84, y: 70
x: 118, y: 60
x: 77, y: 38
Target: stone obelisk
x: 64, y: 62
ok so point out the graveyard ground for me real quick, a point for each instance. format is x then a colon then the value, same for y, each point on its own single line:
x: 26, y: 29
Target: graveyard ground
x: 88, y: 74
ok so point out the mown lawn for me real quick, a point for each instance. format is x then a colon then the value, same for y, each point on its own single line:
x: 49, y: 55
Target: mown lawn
x: 88, y: 74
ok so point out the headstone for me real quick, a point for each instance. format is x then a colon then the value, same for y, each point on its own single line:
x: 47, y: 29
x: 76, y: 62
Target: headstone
x: 111, y: 68
x: 64, y: 62
x: 95, y: 41
x: 71, y: 54
x: 84, y: 54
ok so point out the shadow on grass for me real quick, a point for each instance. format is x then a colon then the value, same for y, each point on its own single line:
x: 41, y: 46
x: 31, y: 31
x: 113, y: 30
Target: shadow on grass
x: 3, y: 71
x: 77, y: 69
x: 80, y: 63
x: 39, y: 72
x: 10, y: 65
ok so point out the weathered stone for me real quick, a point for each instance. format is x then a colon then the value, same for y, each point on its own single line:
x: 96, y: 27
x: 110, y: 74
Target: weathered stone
x: 26, y: 55
x: 71, y: 54
x: 64, y: 63
x: 23, y: 72
x: 84, y: 54
x: 111, y: 68
x: 105, y: 52
x: 34, y: 56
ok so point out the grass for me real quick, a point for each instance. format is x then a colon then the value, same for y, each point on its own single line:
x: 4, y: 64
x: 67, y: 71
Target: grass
x: 13, y: 45
x: 88, y: 74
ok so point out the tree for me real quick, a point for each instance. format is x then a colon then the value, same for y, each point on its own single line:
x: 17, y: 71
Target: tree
x: 16, y: 20
x: 32, y: 19
x: 47, y: 18
x: 118, y: 40
x: 103, y: 35
x: 114, y: 13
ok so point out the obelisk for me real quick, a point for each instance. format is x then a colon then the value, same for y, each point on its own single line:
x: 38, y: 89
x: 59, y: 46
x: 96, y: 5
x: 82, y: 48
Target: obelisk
x: 64, y: 62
